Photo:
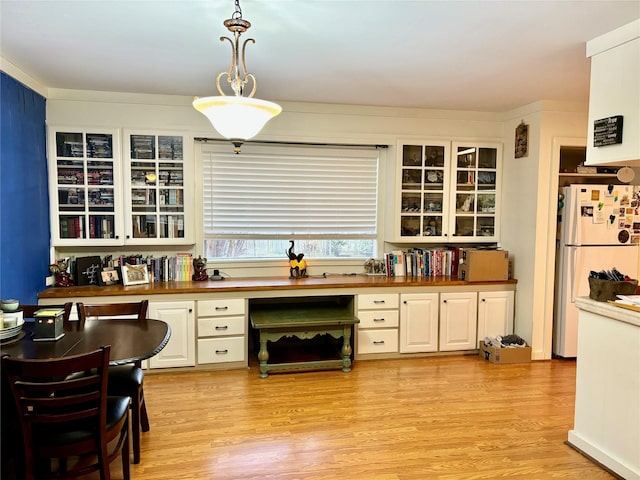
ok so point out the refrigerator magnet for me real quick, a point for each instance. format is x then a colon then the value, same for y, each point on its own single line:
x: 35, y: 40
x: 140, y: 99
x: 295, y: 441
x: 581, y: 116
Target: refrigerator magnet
x: 623, y: 236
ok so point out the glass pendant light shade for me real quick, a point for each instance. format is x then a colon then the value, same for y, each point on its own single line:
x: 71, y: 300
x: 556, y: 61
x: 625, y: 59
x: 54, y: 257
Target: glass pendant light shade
x: 237, y: 117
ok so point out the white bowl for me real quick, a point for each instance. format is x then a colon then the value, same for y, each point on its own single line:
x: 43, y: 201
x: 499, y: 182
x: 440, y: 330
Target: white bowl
x: 10, y: 305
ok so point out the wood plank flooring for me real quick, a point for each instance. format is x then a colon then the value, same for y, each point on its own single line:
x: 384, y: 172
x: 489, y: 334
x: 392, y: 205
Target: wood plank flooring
x: 455, y: 417
x: 449, y: 418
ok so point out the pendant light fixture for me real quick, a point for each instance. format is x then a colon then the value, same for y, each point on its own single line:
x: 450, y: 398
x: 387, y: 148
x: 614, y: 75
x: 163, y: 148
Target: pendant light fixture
x: 237, y: 117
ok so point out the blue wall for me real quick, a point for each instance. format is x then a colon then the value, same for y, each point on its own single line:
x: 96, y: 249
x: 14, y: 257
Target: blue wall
x: 24, y: 195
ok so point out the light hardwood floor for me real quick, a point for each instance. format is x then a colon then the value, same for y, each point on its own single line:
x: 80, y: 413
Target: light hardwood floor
x: 455, y: 417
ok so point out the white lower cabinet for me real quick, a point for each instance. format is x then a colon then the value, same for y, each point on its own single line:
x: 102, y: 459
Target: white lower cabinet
x: 378, y: 327
x: 180, y: 351
x: 418, y: 322
x: 222, y: 326
x: 458, y: 321
x: 495, y: 314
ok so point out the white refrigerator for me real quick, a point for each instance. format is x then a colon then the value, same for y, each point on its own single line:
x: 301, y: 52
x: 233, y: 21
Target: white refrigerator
x: 596, y: 232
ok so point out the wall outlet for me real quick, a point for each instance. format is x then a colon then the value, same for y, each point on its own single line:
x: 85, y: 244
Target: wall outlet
x: 49, y: 281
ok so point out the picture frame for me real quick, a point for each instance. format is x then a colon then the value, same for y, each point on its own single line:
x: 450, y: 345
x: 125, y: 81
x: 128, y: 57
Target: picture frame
x: 109, y: 276
x: 87, y: 270
x: 522, y: 140
x: 135, y: 275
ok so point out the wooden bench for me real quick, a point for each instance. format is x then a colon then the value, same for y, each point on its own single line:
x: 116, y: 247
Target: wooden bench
x: 304, y: 321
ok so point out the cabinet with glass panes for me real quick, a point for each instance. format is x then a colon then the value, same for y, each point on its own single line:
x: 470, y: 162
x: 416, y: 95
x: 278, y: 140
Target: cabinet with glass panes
x: 447, y: 191
x: 158, y: 182
x: 84, y: 166
x: 474, y: 191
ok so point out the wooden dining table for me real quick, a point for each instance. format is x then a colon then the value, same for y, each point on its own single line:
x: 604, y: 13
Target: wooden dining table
x: 130, y: 340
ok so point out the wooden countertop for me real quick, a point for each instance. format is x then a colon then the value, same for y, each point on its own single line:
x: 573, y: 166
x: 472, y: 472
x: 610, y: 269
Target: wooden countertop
x: 259, y: 284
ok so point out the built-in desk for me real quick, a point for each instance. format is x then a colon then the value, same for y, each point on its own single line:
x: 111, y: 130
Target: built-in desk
x: 211, y: 327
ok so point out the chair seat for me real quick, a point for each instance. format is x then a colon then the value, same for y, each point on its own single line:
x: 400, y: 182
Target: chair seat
x: 77, y: 432
x: 124, y: 378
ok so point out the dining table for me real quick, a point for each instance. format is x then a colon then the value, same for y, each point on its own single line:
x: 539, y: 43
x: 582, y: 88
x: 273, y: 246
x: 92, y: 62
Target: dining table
x: 130, y: 340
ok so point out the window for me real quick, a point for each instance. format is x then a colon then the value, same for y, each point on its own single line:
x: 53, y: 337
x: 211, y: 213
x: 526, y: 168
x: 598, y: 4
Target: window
x: 324, y: 198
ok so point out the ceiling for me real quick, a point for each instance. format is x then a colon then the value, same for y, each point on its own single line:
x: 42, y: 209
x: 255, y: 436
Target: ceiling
x: 464, y: 55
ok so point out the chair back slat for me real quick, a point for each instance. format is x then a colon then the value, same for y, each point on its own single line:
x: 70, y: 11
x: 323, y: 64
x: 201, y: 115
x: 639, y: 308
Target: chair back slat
x: 133, y: 309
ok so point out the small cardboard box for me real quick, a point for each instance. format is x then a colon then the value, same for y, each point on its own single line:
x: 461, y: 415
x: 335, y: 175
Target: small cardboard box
x: 484, y: 265
x: 505, y: 355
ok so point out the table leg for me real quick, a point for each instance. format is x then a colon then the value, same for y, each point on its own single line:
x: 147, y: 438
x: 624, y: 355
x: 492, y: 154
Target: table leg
x: 263, y: 355
x: 346, y: 349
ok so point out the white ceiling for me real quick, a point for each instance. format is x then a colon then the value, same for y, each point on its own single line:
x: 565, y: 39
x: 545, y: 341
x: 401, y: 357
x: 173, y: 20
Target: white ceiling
x: 467, y: 55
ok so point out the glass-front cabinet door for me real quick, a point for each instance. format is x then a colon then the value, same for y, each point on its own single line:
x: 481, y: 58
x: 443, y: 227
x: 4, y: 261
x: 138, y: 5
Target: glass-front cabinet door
x: 424, y: 174
x: 84, y: 175
x: 158, y: 189
x: 448, y: 192
x: 474, y: 191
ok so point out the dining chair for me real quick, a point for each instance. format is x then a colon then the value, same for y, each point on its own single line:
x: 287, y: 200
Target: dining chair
x: 68, y: 422
x: 125, y: 379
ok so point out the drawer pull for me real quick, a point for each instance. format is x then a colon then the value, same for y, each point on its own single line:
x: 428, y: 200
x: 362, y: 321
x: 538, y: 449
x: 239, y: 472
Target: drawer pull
x: 378, y: 319
x: 222, y: 327
x: 378, y: 342
x: 379, y: 301
x: 222, y: 352
x: 221, y: 309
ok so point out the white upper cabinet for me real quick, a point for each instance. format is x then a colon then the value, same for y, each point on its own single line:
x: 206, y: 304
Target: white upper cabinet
x: 615, y: 92
x: 84, y: 186
x: 158, y: 188
x: 447, y: 192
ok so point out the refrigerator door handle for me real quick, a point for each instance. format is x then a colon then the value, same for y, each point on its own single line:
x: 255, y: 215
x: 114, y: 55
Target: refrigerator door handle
x: 571, y: 273
x: 574, y: 231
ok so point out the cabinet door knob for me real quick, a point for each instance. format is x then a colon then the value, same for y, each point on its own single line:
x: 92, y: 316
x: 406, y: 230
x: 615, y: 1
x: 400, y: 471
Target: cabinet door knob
x: 191, y: 310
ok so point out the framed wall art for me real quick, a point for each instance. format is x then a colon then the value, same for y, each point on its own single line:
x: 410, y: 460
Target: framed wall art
x: 135, y: 274
x: 522, y: 140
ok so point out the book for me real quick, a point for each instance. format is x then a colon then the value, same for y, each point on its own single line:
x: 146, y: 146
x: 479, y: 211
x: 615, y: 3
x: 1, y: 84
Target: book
x: 48, y: 312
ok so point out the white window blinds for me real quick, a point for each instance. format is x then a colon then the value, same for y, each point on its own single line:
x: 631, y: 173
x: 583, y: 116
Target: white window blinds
x: 273, y: 190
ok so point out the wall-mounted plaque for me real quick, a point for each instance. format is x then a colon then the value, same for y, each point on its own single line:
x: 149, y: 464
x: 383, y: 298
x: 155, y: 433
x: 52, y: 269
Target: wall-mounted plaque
x: 607, y: 131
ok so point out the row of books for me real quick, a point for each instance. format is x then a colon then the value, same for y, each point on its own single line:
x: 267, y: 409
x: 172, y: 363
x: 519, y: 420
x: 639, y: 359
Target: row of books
x: 178, y: 268
x: 417, y: 262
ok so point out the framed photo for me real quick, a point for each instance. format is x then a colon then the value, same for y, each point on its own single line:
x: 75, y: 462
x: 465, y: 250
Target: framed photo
x: 135, y: 274
x: 109, y: 276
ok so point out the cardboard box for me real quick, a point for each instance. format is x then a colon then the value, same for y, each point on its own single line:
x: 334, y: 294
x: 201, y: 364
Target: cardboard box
x: 505, y: 355
x: 484, y: 265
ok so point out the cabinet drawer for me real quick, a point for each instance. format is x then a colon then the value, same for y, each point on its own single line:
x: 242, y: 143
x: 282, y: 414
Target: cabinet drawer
x: 221, y: 326
x: 378, y: 341
x: 378, y: 301
x: 378, y: 319
x: 228, y: 306
x: 220, y: 350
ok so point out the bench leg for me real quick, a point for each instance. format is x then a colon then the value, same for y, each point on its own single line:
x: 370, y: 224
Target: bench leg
x: 346, y: 349
x: 263, y: 356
